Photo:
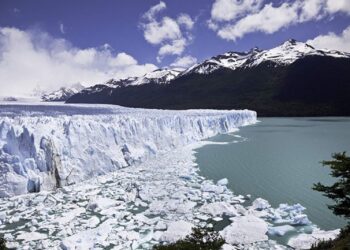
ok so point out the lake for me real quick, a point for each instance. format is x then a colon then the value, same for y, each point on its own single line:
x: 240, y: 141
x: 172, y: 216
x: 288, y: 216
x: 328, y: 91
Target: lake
x: 278, y: 159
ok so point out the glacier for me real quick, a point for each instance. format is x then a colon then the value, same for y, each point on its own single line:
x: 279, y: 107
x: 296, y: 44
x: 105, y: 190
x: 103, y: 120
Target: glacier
x: 96, y: 177
x: 43, y: 147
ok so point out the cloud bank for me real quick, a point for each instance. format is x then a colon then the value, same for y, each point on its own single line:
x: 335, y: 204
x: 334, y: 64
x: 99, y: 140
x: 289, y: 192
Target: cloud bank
x: 233, y: 19
x: 333, y: 41
x: 184, y: 62
x: 29, y: 59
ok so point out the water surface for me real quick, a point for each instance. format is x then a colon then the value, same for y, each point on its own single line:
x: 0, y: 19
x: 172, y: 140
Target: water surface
x: 278, y: 159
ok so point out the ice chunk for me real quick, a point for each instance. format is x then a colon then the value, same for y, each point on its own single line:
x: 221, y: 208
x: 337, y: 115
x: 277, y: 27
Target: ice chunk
x: 245, y: 230
x: 177, y: 230
x: 101, y: 203
x: 31, y: 236
x: 305, y: 241
x: 206, y: 187
x: 222, y: 182
x: 88, y: 238
x: 68, y: 216
x: 219, y: 208
x: 300, y: 219
x: 228, y: 247
x: 280, y: 230
x: 260, y: 204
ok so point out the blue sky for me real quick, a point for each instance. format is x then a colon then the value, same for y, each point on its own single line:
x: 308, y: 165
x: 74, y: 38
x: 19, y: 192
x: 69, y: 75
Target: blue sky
x: 136, y: 36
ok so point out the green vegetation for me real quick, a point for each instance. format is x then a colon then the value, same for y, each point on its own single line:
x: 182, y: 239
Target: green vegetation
x: 200, y: 239
x: 2, y: 244
x: 340, y: 193
x: 342, y: 242
x: 340, y: 190
x: 311, y: 86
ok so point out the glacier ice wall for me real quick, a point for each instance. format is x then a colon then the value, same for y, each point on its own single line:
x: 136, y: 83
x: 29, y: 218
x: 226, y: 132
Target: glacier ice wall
x: 45, y: 147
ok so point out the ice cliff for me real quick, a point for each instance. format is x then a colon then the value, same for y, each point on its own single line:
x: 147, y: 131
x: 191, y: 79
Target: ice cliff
x: 43, y: 147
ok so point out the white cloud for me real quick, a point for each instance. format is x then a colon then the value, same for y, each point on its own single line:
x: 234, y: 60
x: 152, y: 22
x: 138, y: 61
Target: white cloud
x: 269, y: 20
x: 334, y: 6
x: 226, y: 10
x: 186, y: 20
x: 150, y: 14
x: 158, y: 32
x: 171, y: 35
x: 29, y: 59
x: 62, y: 29
x: 332, y: 41
x: 176, y: 47
x: 232, y: 19
x: 212, y: 25
x: 184, y: 62
x: 311, y: 9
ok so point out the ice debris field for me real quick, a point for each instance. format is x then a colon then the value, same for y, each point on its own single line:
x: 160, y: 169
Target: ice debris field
x: 102, y: 177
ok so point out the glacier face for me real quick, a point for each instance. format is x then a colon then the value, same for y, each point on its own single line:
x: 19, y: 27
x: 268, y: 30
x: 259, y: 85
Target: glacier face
x: 43, y: 147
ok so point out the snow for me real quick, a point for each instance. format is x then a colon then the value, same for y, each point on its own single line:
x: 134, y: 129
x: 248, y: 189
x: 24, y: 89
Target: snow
x: 158, y: 76
x: 285, y: 54
x: 62, y: 94
x: 44, y: 147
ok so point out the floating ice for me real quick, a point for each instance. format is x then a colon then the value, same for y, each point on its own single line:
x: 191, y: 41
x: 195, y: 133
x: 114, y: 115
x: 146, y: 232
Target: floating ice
x: 245, y: 230
x: 300, y: 219
x: 222, y: 182
x: 177, y: 230
x: 280, y: 230
x: 260, y: 204
x: 31, y: 236
x: 305, y: 241
x: 219, y: 209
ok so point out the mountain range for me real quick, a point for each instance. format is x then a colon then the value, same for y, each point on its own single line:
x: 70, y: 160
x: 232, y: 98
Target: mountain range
x: 293, y: 79
x: 62, y: 94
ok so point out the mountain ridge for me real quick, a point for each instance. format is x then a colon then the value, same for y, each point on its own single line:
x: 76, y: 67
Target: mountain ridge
x: 271, y: 82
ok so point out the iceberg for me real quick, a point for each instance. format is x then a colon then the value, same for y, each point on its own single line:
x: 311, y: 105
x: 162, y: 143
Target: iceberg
x: 44, y: 147
x: 245, y: 230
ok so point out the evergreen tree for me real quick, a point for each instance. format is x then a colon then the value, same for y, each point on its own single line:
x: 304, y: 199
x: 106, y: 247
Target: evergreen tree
x: 340, y: 190
x: 200, y: 239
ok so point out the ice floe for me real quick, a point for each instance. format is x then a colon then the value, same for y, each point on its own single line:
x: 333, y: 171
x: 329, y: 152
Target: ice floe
x: 305, y: 241
x: 147, y: 197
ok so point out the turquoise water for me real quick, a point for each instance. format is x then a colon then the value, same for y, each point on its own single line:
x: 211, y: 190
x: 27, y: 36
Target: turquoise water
x: 278, y: 159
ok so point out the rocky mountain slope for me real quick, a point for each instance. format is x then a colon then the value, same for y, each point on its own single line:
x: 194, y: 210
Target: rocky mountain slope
x: 293, y: 79
x: 62, y: 94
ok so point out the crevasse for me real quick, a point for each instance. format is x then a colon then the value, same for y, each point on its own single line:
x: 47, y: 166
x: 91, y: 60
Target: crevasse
x: 45, y: 147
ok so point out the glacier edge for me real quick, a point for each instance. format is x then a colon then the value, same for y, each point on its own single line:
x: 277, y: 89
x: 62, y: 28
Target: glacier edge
x: 48, y: 149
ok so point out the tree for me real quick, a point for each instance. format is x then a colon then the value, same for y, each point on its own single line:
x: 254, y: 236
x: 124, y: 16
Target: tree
x: 340, y: 190
x: 200, y: 239
x: 2, y: 244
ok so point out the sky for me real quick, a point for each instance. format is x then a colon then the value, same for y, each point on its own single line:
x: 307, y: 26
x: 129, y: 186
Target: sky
x: 48, y: 44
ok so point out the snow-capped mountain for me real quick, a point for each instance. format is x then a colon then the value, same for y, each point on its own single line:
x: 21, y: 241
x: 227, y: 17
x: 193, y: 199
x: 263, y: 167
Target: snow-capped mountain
x: 62, y: 94
x: 285, y: 54
x: 293, y: 79
x: 158, y: 76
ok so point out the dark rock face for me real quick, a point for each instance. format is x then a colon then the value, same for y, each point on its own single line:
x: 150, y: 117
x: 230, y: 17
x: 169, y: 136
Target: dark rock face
x: 311, y: 86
